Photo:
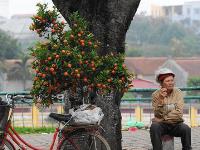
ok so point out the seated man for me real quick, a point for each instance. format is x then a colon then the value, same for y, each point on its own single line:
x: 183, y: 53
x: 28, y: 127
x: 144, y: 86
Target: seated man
x: 167, y: 104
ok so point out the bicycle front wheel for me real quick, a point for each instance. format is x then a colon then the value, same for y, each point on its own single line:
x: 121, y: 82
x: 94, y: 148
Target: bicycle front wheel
x: 84, y: 141
x: 8, y: 145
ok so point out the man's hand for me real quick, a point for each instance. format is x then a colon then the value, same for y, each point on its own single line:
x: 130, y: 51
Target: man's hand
x: 162, y: 95
x: 163, y: 92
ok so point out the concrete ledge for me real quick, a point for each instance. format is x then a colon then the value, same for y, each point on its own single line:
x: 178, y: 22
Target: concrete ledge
x: 168, y: 142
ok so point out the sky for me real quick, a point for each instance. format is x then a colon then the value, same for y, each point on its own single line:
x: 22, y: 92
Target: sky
x: 25, y: 6
x: 28, y: 6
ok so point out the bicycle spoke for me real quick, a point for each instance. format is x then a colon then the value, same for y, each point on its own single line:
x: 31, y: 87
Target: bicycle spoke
x: 86, y: 141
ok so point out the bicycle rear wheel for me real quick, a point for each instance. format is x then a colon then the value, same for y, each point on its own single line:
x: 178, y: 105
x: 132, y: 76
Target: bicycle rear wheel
x: 84, y: 141
x: 8, y: 145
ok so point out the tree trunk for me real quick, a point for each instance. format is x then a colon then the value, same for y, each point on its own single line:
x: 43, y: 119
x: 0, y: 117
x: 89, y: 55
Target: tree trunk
x: 108, y: 21
x: 112, y: 119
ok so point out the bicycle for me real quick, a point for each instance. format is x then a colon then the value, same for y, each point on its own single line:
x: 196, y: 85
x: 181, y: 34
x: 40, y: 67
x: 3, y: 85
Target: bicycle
x: 69, y: 137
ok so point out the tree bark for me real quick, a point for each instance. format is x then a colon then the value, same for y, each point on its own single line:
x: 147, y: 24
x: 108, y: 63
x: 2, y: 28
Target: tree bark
x: 112, y: 119
x: 109, y: 21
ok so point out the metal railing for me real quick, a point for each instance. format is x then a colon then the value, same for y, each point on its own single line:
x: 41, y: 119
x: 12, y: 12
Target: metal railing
x: 135, y: 108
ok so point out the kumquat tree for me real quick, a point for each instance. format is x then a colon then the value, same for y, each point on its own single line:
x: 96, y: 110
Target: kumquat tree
x: 71, y: 59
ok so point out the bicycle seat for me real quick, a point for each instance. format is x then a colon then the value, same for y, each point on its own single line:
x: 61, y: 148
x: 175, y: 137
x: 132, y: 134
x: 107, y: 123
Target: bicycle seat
x: 60, y: 117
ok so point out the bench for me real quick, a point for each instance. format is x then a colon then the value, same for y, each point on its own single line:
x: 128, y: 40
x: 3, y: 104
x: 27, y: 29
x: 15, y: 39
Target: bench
x: 168, y: 142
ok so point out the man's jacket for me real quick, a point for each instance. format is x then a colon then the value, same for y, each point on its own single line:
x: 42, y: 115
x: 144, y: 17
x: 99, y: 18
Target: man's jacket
x: 171, y: 111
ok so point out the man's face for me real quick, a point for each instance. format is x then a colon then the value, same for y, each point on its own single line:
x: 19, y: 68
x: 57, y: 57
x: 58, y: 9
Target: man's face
x: 168, y: 83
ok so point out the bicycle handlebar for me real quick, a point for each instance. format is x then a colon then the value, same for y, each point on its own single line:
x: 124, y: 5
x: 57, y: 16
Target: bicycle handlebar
x: 15, y: 97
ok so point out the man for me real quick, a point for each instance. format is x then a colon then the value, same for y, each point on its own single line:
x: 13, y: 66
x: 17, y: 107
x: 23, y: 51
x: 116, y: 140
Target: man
x: 167, y: 104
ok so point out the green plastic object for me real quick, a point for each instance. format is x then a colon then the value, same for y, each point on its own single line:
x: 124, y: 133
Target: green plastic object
x: 139, y: 124
x: 130, y: 123
x: 133, y: 123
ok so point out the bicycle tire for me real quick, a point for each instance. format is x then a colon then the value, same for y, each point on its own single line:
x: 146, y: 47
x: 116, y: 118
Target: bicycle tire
x: 8, y: 145
x: 84, y: 141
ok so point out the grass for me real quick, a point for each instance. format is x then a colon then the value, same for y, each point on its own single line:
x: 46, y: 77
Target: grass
x: 31, y: 130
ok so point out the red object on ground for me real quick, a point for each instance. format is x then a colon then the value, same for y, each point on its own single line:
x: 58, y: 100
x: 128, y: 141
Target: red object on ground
x: 132, y: 129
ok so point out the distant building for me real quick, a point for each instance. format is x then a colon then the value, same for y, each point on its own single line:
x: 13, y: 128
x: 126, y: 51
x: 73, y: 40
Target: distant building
x: 145, y: 67
x: 2, y: 20
x: 188, y: 12
x: 18, y: 27
x: 141, y: 83
x: 4, y: 8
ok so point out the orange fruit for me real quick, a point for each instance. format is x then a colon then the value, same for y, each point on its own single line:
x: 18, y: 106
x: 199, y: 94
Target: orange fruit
x: 104, y: 86
x: 71, y: 37
x: 66, y: 74
x: 82, y: 44
x: 57, y: 56
x: 85, y: 79
x: 78, y: 75
x: 81, y: 32
x: 43, y: 75
x: 109, y: 80
x: 82, y: 41
x: 113, y: 71
x: 120, y: 81
x: 63, y: 51
x: 79, y: 35
x: 89, y: 43
x: 52, y: 69
x: 55, y: 25
x: 76, y: 71
x: 80, y: 62
x: 83, y: 52
x: 69, y: 65
x: 124, y: 66
x: 36, y: 70
x: 49, y: 58
x: 98, y: 85
x: 40, y: 74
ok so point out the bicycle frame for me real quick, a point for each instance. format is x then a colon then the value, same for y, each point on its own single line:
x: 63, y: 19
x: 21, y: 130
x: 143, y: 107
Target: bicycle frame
x: 15, y: 137
x: 18, y: 140
x: 11, y: 136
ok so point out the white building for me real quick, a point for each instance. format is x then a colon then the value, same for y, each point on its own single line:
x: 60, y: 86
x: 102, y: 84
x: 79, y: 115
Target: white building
x: 5, y: 8
x: 187, y: 12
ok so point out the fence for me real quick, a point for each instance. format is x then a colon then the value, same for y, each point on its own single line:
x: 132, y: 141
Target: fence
x: 137, y: 108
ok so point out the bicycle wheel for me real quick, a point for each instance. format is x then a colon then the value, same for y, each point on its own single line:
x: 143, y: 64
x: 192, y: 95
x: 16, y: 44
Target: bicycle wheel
x: 84, y: 141
x: 8, y: 145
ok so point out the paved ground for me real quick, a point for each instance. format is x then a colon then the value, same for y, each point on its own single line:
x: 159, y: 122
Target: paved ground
x: 137, y: 140
x: 140, y: 140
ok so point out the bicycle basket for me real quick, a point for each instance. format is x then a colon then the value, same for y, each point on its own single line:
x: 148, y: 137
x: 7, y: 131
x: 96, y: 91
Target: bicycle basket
x: 4, y: 113
x: 87, y: 114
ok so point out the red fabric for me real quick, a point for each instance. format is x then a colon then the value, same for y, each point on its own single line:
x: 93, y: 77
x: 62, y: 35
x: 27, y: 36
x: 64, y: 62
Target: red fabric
x: 163, y: 76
